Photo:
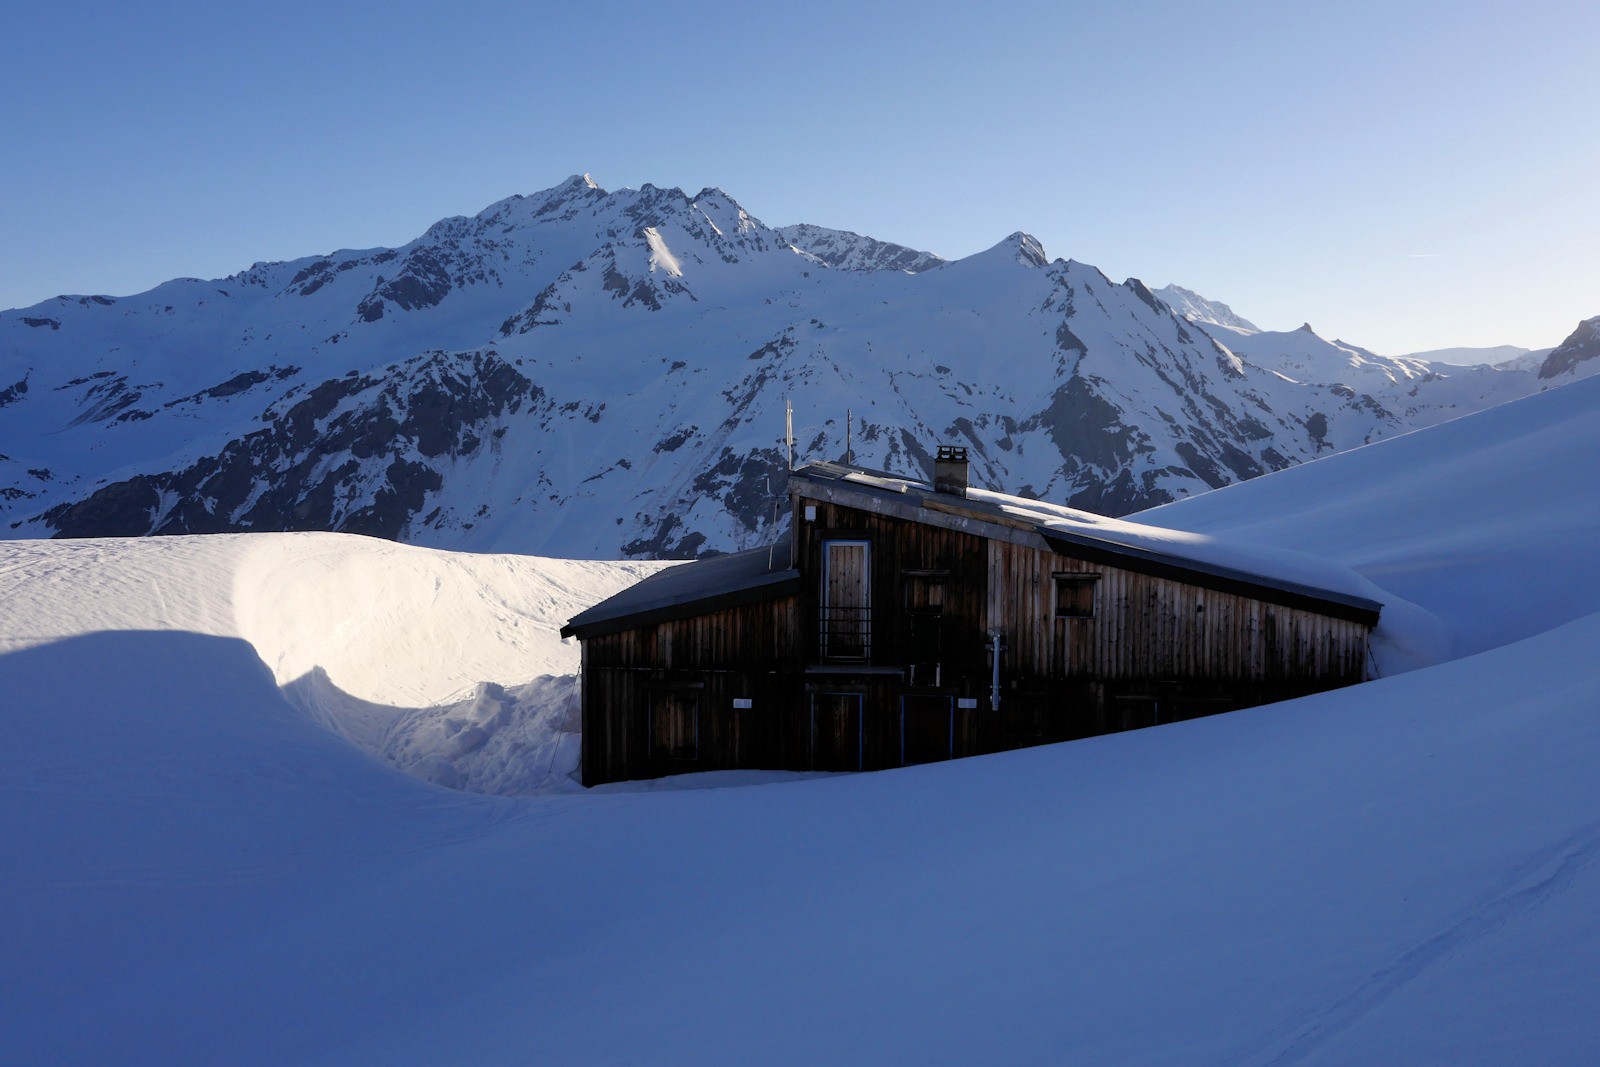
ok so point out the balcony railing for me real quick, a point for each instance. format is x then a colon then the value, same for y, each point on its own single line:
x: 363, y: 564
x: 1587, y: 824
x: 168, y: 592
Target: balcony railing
x: 845, y: 634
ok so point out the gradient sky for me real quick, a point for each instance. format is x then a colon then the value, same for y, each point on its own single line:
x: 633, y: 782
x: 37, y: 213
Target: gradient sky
x: 1402, y: 175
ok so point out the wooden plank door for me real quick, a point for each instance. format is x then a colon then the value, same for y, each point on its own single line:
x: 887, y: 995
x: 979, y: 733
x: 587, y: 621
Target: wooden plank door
x: 846, y: 624
x: 927, y: 728
x: 836, y: 731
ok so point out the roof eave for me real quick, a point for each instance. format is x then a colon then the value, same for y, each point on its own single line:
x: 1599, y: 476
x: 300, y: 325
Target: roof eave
x: 1284, y: 594
x: 767, y: 587
x: 952, y: 515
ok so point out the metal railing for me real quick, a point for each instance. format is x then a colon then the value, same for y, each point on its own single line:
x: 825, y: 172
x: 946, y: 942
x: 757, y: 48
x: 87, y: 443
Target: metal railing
x: 845, y: 633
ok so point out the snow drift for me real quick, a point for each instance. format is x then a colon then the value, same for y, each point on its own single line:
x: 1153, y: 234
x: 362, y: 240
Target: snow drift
x: 1397, y: 872
x: 447, y: 665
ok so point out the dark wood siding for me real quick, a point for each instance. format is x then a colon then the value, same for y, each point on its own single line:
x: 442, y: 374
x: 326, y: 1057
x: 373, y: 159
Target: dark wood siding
x: 736, y: 654
x: 761, y: 635
x: 750, y: 686
x: 904, y: 556
x: 1145, y: 627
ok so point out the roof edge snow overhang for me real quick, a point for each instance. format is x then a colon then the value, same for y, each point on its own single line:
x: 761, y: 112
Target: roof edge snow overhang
x: 922, y: 505
x: 1220, y: 579
x: 767, y: 587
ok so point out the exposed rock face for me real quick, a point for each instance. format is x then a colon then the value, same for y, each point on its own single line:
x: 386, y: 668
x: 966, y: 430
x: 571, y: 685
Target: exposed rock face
x: 845, y: 250
x: 582, y: 372
x: 1572, y: 354
x: 359, y: 454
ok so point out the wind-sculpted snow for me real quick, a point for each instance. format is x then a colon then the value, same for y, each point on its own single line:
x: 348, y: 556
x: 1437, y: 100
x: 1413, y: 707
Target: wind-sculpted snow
x: 1402, y: 871
x: 447, y: 666
x: 591, y: 373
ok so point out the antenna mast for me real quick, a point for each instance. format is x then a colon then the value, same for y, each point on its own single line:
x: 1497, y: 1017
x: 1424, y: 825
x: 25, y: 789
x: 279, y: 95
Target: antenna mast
x: 849, y: 417
x: 788, y: 429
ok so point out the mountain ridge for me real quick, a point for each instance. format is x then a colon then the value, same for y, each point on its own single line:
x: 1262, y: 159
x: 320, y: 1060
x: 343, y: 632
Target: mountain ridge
x: 584, y: 372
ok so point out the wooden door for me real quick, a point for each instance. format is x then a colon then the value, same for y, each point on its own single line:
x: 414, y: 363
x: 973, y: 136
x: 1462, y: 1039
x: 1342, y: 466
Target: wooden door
x: 836, y: 731
x: 927, y: 728
x: 846, y: 623
x: 674, y: 724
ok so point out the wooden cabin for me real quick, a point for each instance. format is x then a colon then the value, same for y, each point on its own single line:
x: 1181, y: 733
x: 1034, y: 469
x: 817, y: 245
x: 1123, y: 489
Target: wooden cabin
x: 904, y: 622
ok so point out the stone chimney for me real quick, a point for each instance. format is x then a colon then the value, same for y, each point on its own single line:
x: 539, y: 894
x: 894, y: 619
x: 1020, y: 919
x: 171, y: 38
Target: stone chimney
x: 950, y: 470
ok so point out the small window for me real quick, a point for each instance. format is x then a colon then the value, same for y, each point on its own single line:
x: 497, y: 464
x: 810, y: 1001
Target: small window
x: 1075, y: 595
x: 675, y: 724
x: 925, y: 593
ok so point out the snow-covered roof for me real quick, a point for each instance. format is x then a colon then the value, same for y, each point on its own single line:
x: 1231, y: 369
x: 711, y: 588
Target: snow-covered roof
x: 1271, y: 574
x: 740, y: 577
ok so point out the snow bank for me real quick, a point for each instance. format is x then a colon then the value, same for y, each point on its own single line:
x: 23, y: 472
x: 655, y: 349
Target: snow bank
x: 1490, y: 522
x: 446, y: 665
x: 1400, y: 872
x: 1403, y: 871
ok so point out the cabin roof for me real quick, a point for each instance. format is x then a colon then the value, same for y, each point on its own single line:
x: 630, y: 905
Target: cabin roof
x: 1275, y: 576
x: 692, y: 589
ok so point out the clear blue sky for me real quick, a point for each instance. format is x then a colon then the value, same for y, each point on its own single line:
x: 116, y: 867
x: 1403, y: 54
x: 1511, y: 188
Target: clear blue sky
x: 1405, y: 176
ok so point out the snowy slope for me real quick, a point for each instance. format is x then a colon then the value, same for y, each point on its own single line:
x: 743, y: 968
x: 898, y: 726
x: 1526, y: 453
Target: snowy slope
x: 591, y: 374
x: 1471, y: 357
x: 1479, y: 519
x: 1193, y: 307
x: 1402, y: 871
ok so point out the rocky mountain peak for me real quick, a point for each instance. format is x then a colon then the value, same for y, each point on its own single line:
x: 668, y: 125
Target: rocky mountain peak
x: 847, y: 250
x: 1027, y: 248
x: 1582, y: 346
x: 584, y: 373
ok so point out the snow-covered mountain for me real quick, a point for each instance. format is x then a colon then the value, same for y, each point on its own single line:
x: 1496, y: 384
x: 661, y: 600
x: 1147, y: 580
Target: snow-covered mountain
x: 1498, y: 355
x: 1416, y: 391
x: 1193, y: 307
x: 847, y: 250
x: 591, y: 373
x: 1576, y: 356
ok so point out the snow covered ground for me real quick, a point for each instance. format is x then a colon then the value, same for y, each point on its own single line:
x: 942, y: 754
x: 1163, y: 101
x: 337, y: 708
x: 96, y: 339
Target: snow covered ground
x: 198, y: 871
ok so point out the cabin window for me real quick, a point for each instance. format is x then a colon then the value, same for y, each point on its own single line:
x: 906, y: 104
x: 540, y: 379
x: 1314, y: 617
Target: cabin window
x: 675, y: 724
x: 846, y: 622
x: 923, y: 626
x: 1075, y: 595
x: 925, y: 592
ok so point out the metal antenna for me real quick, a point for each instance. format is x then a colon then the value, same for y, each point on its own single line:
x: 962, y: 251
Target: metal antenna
x: 788, y: 429
x: 849, y: 417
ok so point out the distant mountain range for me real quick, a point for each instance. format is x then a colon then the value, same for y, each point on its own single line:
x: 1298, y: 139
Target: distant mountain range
x: 592, y: 373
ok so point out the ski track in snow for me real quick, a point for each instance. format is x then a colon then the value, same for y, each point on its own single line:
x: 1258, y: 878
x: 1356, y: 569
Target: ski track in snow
x: 1529, y: 887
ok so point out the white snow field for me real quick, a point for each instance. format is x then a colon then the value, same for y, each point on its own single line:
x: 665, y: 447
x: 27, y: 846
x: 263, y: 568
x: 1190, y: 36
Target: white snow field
x: 446, y: 664
x: 196, y: 871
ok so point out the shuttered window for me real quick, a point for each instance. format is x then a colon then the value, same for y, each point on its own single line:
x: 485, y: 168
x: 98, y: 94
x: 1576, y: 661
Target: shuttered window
x: 1075, y: 595
x: 675, y: 724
